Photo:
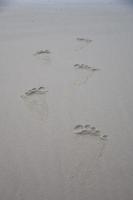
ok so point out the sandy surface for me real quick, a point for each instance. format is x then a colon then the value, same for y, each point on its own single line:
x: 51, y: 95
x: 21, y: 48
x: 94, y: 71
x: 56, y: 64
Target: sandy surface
x: 41, y: 156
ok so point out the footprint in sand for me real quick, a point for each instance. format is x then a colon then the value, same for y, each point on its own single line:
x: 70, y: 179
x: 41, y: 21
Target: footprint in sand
x: 88, y: 130
x: 36, y: 102
x: 82, y: 43
x: 92, y: 131
x: 83, y: 165
x: 90, y: 148
x: 45, y: 55
x: 83, y: 72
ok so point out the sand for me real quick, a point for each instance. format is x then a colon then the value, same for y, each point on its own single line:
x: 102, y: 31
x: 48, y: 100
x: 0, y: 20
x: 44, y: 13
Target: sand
x: 80, y: 56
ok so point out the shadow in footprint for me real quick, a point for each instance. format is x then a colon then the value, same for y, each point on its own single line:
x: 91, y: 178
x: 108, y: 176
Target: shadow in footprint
x: 36, y: 102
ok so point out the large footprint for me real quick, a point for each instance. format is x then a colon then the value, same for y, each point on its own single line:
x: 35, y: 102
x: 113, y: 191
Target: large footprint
x: 90, y: 153
x: 36, y: 102
x: 82, y: 73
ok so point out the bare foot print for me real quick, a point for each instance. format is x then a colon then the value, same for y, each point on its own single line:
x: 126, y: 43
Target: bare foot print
x: 82, y: 43
x: 44, y: 55
x: 89, y: 130
x: 36, y: 102
x: 92, y: 131
x: 83, y: 72
x: 89, y: 148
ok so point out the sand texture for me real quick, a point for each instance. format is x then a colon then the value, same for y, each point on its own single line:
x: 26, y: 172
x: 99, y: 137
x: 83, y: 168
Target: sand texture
x: 66, y: 105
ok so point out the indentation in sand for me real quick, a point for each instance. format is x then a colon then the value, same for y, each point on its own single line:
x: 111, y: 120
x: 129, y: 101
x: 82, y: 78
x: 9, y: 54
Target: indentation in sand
x: 83, y: 72
x: 88, y: 130
x: 82, y: 43
x: 36, y: 102
x: 90, y: 148
x: 44, y: 55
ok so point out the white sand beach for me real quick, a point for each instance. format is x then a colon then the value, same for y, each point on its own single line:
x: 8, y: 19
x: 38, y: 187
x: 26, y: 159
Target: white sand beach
x: 65, y: 75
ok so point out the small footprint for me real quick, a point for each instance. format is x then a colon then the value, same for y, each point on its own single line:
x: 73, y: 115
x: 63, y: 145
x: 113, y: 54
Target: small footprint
x: 44, y: 55
x: 83, y: 72
x: 35, y: 100
x: 82, y: 43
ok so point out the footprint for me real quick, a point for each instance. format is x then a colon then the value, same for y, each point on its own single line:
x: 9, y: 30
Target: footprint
x: 83, y: 72
x: 45, y: 55
x: 82, y: 43
x: 36, y: 102
x: 89, y: 150
x: 89, y: 130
